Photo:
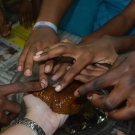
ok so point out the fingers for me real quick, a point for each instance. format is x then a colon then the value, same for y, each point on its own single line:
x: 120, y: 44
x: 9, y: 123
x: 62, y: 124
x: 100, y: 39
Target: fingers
x: 84, y: 78
x: 92, y: 72
x: 73, y: 71
x: 60, y: 71
x: 42, y: 76
x: 103, y: 81
x: 57, y: 50
x: 125, y: 113
x: 29, y: 61
x: 8, y: 111
x: 22, y: 58
x: 48, y: 66
x: 121, y: 133
x: 110, y: 101
x: 6, y: 29
x: 20, y: 87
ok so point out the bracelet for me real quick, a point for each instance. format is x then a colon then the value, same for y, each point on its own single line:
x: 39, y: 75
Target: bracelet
x: 32, y: 125
x: 42, y: 24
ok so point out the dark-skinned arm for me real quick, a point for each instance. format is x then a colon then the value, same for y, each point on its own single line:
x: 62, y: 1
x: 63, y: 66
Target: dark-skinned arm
x: 120, y: 25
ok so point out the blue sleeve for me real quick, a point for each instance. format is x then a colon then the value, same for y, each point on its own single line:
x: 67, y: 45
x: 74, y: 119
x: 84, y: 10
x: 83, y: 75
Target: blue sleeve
x: 80, y: 18
x: 109, y: 9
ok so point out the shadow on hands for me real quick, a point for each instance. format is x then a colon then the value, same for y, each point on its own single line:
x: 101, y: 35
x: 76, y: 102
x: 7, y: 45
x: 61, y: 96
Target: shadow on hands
x: 9, y: 110
x: 96, y: 52
x: 37, y: 41
x: 121, y: 77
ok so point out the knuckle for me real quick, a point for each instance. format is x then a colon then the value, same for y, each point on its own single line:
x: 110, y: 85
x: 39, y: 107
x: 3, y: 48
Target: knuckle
x: 20, y: 86
x: 28, y: 65
x: 62, y: 48
x: 72, y: 71
x: 97, y: 83
x: 65, y: 40
x: 83, y: 90
x: 87, y: 54
x: 88, y: 71
x: 109, y: 104
x: 31, y: 51
x: 88, y: 77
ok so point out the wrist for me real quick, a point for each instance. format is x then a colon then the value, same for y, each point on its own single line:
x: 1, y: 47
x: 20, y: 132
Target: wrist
x: 43, y: 122
x: 43, y: 24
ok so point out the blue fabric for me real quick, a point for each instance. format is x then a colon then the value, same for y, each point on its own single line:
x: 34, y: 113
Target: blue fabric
x: 80, y: 18
x: 86, y: 16
x: 109, y: 9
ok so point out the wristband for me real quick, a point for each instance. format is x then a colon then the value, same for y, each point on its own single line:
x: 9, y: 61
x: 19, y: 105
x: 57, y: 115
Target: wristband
x: 42, y: 24
x: 32, y: 125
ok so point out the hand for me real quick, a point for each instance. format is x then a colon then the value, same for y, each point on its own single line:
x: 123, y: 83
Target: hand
x: 90, y: 72
x: 61, y: 66
x: 26, y: 14
x: 39, y: 39
x: 9, y: 110
x: 40, y: 112
x: 5, y: 28
x: 100, y: 51
x: 119, y: 104
x: 121, y: 133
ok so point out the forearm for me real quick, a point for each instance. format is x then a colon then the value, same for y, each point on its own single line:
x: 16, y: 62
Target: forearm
x: 120, y: 25
x: 36, y: 4
x: 19, y: 129
x: 53, y: 10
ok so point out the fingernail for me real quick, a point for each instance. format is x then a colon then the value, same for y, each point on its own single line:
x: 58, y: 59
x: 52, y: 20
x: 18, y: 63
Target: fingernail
x: 54, y: 77
x: 40, y: 52
x: 94, y: 96
x: 58, y: 88
x: 42, y: 85
x: 76, y: 94
x: 44, y: 82
x: 19, y: 68
x: 36, y: 56
x: 27, y: 72
x: 47, y: 68
x: 68, y: 67
x: 89, y: 97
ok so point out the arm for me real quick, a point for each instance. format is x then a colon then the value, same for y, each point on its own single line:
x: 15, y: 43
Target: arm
x: 13, y: 108
x: 120, y: 100
x: 103, y: 50
x: 120, y: 25
x: 36, y: 4
x: 26, y: 13
x: 39, y: 112
x: 52, y: 11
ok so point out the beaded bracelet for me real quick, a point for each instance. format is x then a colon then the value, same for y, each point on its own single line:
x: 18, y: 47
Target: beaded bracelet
x: 42, y: 24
